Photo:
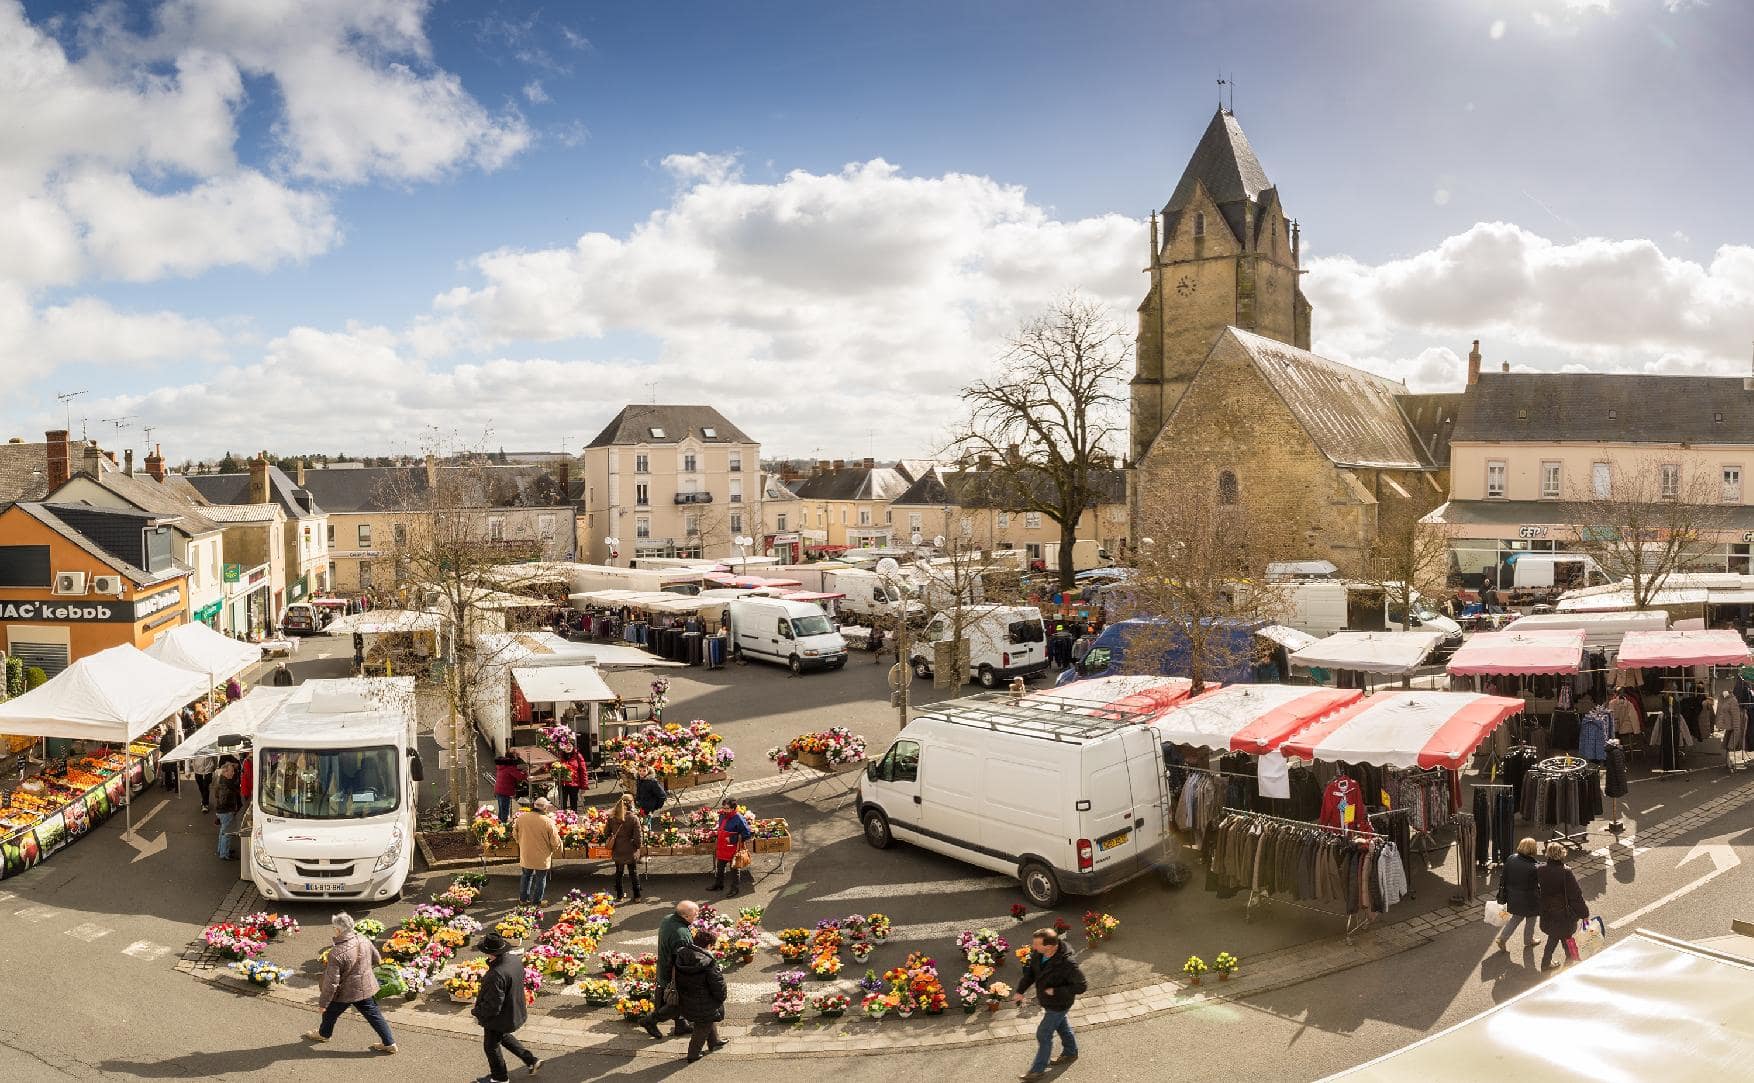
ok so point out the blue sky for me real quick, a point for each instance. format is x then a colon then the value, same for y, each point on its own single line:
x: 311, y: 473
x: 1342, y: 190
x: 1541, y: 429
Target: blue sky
x: 389, y: 196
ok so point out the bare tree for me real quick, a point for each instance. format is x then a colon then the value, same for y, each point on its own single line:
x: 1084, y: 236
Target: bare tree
x: 1050, y: 417
x: 1650, y: 520
x: 951, y: 590
x: 1407, y: 559
x: 1199, y: 579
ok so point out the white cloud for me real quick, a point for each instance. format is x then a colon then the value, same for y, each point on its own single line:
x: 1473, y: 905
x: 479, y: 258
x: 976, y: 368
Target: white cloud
x: 1617, y: 305
x: 534, y: 93
x: 1496, y: 30
x: 1440, y: 197
x: 89, y: 331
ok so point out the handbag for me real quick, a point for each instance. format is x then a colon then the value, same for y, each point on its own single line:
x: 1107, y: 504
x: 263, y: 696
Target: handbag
x: 1497, y: 914
x: 1591, y: 937
x: 742, y: 859
x: 672, y: 995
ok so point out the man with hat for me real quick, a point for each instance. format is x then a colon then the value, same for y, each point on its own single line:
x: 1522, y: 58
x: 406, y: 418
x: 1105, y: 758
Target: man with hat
x: 500, y: 1008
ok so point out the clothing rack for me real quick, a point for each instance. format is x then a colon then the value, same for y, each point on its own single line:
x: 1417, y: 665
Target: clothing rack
x: 1423, y: 778
x: 1566, y: 764
x: 1492, y: 790
x: 1354, y: 921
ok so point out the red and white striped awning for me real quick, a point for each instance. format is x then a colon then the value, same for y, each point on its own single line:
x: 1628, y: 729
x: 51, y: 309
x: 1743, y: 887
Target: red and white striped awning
x: 1252, y: 718
x: 1695, y: 647
x: 1552, y: 651
x: 1405, y: 729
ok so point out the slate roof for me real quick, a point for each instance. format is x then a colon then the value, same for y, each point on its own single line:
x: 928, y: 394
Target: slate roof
x: 634, y: 425
x: 149, y: 495
x: 45, y: 514
x: 1226, y: 164
x: 24, y: 471
x: 1353, y: 416
x: 1592, y: 407
x: 382, y: 488
x: 1000, y: 489
x: 235, y: 489
x: 860, y: 482
x: 1433, y: 418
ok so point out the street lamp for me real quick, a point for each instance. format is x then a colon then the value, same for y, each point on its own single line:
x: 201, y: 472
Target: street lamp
x: 613, y: 544
x: 743, y: 542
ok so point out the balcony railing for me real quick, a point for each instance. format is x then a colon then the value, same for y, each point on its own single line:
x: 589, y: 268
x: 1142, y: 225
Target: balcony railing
x: 694, y: 498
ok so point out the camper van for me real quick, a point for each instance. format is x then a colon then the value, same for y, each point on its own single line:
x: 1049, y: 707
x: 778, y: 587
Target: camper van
x: 584, y: 578
x: 1063, y: 790
x: 795, y: 634
x: 1325, y: 606
x: 334, y: 806
x: 1004, y: 641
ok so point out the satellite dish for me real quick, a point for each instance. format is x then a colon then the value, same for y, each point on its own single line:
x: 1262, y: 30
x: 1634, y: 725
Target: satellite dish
x: 887, y: 566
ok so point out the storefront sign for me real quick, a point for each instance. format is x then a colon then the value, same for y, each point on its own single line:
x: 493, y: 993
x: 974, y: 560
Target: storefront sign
x: 1747, y: 536
x: 298, y: 589
x: 1531, y: 531
x: 54, y: 612
x: 233, y: 572
x: 209, y: 611
x: 157, y: 603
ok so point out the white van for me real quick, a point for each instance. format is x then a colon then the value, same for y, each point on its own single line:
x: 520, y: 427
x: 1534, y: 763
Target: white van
x: 1064, y: 789
x: 797, y: 634
x: 1322, y: 607
x: 1004, y: 641
x: 336, y: 772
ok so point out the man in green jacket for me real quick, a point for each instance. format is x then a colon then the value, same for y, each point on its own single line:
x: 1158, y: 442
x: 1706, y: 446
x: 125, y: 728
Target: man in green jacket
x: 675, y: 932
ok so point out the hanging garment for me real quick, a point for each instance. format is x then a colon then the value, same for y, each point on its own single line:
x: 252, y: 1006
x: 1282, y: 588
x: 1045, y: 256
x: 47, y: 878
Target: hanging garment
x: 1391, y: 875
x: 1503, y: 827
x: 1592, y: 741
x: 1274, y: 775
x: 1564, y: 730
x: 1617, y: 782
x: 1731, y: 720
x: 1466, y: 831
x: 1626, y: 718
x: 1482, y: 813
x: 1343, y: 806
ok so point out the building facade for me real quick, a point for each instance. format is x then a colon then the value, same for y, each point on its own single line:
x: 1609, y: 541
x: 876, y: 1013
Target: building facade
x: 303, y: 524
x: 984, y: 507
x: 846, y: 505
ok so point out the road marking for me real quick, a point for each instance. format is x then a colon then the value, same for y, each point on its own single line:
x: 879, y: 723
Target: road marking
x: 926, y: 887
x: 144, y: 848
x: 1723, y: 859
x: 146, y: 949
x: 1647, y: 811
x: 88, y: 932
x: 36, y: 913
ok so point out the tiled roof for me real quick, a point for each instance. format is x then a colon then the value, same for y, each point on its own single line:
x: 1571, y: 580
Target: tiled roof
x: 1595, y: 407
x: 883, y: 483
x: 244, y: 513
x: 46, y: 514
x: 1002, y: 489
x: 635, y: 425
x: 24, y: 471
x: 150, y: 495
x: 390, y: 488
x: 235, y: 489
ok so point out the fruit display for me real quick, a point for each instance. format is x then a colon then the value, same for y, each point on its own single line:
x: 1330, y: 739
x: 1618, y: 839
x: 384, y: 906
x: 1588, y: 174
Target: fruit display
x: 66, y: 799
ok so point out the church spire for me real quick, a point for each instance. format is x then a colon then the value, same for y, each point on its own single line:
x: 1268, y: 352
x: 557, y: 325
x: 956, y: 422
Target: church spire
x: 1225, y: 163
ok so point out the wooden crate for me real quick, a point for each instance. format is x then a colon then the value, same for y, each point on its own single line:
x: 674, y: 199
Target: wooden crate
x: 710, y: 776
x: 598, y: 853
x: 817, y: 760
x: 780, y: 845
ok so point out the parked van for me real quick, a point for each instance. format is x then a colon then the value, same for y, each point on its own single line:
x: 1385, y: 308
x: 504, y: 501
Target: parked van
x: 1324, y: 606
x: 796, y: 634
x: 301, y: 619
x: 334, y: 806
x: 1236, y: 651
x: 1004, y: 641
x: 1064, y: 790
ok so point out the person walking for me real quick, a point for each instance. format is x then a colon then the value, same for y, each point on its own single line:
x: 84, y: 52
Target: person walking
x: 700, y: 988
x: 649, y: 794
x: 675, y: 932
x: 349, y: 982
x: 1519, y: 891
x: 202, y: 768
x: 500, y: 1009
x: 538, y: 841
x: 578, y: 778
x: 227, y: 800
x: 625, y: 842
x: 1058, y: 982
x: 508, y: 771
x: 171, y: 738
x: 734, y: 833
x: 1562, y: 905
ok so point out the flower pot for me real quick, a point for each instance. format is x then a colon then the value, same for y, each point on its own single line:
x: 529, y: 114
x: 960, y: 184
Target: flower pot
x: 832, y: 1013
x: 1194, y: 980
x: 992, y: 1006
x: 789, y: 1018
x: 1224, y: 975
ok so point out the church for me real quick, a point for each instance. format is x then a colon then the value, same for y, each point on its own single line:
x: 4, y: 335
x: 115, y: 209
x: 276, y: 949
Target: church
x: 1228, y: 404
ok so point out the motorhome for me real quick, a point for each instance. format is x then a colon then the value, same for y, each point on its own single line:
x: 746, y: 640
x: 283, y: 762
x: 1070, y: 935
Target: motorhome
x: 1064, y: 790
x: 336, y: 774
x: 794, y: 634
x: 1004, y: 641
x: 868, y: 594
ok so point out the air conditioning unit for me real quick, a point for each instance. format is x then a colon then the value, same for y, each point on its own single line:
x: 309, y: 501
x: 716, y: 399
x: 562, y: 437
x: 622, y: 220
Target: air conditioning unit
x: 69, y: 582
x: 106, y: 584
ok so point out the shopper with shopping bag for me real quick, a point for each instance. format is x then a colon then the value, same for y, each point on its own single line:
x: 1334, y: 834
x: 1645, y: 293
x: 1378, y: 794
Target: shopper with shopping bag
x: 1591, y: 937
x: 1519, y: 895
x: 1562, y: 905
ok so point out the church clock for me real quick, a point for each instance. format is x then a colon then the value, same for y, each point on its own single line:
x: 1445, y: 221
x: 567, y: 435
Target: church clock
x: 1186, y: 286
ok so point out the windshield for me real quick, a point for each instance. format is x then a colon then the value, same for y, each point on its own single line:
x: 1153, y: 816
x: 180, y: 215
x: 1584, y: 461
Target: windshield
x: 329, y: 783
x: 811, y: 626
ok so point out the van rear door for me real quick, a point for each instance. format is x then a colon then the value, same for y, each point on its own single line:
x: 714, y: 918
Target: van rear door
x: 1108, y: 821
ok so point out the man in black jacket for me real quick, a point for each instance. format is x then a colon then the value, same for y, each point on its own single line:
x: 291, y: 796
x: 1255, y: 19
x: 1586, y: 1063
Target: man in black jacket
x: 675, y: 933
x: 649, y: 794
x: 500, y: 1008
x: 1058, y: 982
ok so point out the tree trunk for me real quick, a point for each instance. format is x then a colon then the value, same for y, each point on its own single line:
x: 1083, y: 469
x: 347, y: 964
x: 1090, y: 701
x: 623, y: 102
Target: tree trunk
x: 456, y: 773
x: 1068, y: 564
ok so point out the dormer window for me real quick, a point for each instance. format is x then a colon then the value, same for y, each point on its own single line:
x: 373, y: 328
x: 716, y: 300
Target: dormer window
x: 710, y: 434
x: 1717, y: 418
x: 1522, y: 415
x: 657, y: 433
x: 1613, y: 415
x: 1199, y: 223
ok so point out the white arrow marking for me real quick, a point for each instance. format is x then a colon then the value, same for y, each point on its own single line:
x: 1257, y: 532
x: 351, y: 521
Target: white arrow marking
x: 927, y: 887
x: 1723, y: 859
x: 144, y: 848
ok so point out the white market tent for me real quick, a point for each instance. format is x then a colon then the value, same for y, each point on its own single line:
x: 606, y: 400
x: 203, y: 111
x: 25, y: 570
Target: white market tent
x: 499, y: 599
x: 1521, y: 653
x: 562, y: 684
x: 241, y: 718
x: 1645, y: 1008
x: 199, y: 649
x: 1289, y: 638
x: 1138, y: 697
x: 1252, y: 718
x: 1675, y: 647
x: 1602, y: 631
x: 1405, y: 729
x: 384, y: 622
x: 1369, y: 652
x: 114, y: 695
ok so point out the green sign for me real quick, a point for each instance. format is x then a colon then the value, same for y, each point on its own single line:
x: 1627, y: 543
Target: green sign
x: 233, y: 572
x: 208, y: 612
x: 297, y: 589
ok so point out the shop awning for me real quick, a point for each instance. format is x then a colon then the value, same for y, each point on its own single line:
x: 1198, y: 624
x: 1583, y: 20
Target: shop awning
x: 1647, y: 1007
x: 240, y: 718
x: 1601, y: 630
x: 560, y: 684
x: 1253, y: 718
x: 499, y: 599
x: 1132, y: 698
x: 1369, y: 652
x: 199, y: 649
x: 614, y: 597
x: 1556, y: 651
x: 1672, y: 647
x: 1405, y: 729
x: 384, y: 622
x: 114, y: 695
x: 1289, y: 638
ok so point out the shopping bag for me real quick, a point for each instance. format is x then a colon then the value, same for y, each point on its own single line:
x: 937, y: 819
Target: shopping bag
x: 1591, y: 938
x: 1497, y: 914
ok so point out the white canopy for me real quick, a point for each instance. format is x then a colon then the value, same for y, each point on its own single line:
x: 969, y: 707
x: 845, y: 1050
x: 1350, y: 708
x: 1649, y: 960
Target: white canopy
x: 613, y: 597
x: 241, y: 718
x: 1623, y: 599
x: 499, y: 599
x: 114, y: 695
x: 384, y: 621
x: 199, y: 649
x: 1289, y: 638
x: 1253, y: 718
x: 1601, y: 630
x: 1405, y: 729
x: 1369, y: 652
x: 560, y: 684
x: 1646, y: 1007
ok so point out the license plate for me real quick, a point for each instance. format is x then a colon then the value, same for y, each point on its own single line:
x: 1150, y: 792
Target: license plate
x: 328, y: 887
x: 1116, y: 840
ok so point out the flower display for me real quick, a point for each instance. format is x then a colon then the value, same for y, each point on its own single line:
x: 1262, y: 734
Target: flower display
x: 560, y: 741
x: 751, y: 915
x: 404, y: 944
x: 514, y: 926
x: 670, y: 749
x: 632, y: 1008
x: 916, y: 986
x: 476, y: 880
x: 860, y: 950
x: 879, y: 926
x: 464, y: 924
x: 598, y: 991
x: 825, y: 964
x: 532, y: 984
x: 788, y: 1004
x: 445, y: 936
x: 488, y: 830
x: 1194, y: 967
x: 428, y: 916
x: 1019, y: 911
x: 456, y: 897
x: 838, y: 745
x: 261, y: 973
x: 971, y: 992
x: 465, y: 983
x: 870, y: 983
x: 830, y: 1005
x: 1061, y: 925
x: 234, y: 941
x: 1226, y: 963
x: 982, y: 947
x: 370, y: 928
x: 1099, y: 927
x: 997, y: 992
x: 269, y: 925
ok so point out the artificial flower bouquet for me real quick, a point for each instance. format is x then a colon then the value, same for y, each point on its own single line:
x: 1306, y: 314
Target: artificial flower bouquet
x: 834, y: 747
x: 1099, y: 927
x: 1194, y: 967
x: 558, y: 741
x: 983, y: 947
x: 464, y: 984
x: 598, y: 991
x: 1226, y: 964
x: 370, y: 928
x: 270, y: 925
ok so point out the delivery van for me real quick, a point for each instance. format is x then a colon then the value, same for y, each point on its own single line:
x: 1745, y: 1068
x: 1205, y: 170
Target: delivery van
x: 1322, y: 607
x: 1004, y: 641
x: 795, y: 634
x: 1062, y: 789
x: 336, y: 773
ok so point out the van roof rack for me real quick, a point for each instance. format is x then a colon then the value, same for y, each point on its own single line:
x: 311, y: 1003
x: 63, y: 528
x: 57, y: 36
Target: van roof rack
x: 1044, y: 715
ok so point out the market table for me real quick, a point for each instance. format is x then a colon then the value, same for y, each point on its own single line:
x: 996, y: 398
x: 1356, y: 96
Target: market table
x: 278, y: 648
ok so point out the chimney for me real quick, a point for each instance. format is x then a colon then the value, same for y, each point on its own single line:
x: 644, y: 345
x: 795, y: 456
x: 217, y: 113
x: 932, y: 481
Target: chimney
x: 840, y: 464
x: 985, y: 461
x: 301, y: 473
x: 92, y: 461
x: 155, y: 463
x: 1474, y: 364
x: 111, y: 456
x: 128, y: 462
x: 259, y: 479
x: 431, y: 472
x: 1504, y: 366
x: 1012, y: 455
x: 821, y: 465
x: 565, y: 478
x: 869, y: 462
x: 60, y: 469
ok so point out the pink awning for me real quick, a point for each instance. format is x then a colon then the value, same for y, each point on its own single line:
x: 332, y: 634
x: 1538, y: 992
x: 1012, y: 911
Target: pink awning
x: 749, y: 582
x: 1694, y: 647
x: 1252, y: 718
x: 1551, y: 651
x: 1405, y: 729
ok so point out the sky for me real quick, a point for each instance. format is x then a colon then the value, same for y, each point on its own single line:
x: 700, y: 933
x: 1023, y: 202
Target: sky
x: 383, y: 226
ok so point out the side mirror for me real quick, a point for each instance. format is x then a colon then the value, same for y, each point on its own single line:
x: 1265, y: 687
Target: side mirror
x: 416, y: 769
x: 871, y: 770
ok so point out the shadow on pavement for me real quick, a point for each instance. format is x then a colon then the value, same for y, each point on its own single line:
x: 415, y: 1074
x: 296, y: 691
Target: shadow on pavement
x: 231, y: 1062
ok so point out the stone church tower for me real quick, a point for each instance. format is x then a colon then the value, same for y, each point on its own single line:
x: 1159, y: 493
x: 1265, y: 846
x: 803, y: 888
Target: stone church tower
x: 1227, y: 257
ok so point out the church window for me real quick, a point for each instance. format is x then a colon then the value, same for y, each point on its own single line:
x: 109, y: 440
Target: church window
x: 1199, y: 223
x: 1227, y: 487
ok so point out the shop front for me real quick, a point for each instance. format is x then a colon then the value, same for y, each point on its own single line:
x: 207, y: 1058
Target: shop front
x: 247, y: 601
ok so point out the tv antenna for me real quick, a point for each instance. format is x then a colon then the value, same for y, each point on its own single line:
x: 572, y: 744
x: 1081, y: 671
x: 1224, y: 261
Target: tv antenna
x: 117, y: 421
x: 148, y: 429
x: 66, y: 399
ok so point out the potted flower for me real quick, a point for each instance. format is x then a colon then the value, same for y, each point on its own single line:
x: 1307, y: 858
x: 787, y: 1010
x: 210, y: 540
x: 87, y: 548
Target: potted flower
x: 830, y: 1005
x: 996, y: 994
x: 825, y: 965
x: 861, y: 950
x: 258, y: 972
x: 876, y: 1005
x: 370, y: 928
x: 1019, y: 911
x: 1225, y: 965
x: 464, y: 985
x: 1099, y: 927
x: 879, y: 926
x: 1062, y: 926
x: 1193, y: 968
x: 971, y: 993
x: 632, y: 1008
x: 597, y: 992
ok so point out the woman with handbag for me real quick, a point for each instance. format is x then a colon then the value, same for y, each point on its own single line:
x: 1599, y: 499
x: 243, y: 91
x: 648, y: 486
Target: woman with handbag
x: 625, y: 841
x: 730, y: 852
x: 1519, y: 892
x: 1562, y: 905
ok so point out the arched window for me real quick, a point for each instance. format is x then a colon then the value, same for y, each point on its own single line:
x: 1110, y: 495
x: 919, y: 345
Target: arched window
x: 1199, y: 223
x: 1226, y: 487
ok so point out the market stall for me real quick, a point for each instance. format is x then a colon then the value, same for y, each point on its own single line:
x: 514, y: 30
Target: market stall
x: 199, y: 649
x: 1677, y: 666
x: 571, y: 696
x: 386, y: 640
x: 1251, y: 718
x: 1519, y: 653
x: 1354, y: 657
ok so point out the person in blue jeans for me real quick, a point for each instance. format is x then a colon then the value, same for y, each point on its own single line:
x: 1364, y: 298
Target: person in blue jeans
x: 1058, y: 982
x: 350, y: 981
x: 227, y: 800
